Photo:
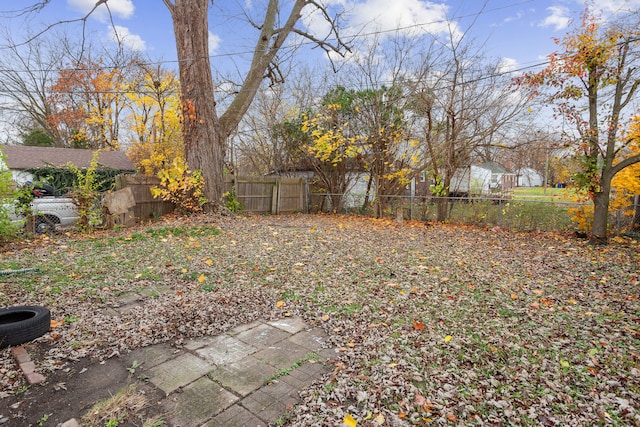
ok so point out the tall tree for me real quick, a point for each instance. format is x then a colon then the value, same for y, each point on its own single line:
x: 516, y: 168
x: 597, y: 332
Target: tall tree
x: 463, y: 101
x: 27, y: 72
x: 89, y: 100
x: 205, y: 132
x: 332, y: 145
x: 592, y: 80
x: 155, y: 120
x: 389, y: 154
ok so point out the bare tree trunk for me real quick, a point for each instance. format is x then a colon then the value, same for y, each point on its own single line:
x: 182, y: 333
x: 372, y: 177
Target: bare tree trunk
x: 441, y: 200
x: 600, y: 214
x: 204, y: 143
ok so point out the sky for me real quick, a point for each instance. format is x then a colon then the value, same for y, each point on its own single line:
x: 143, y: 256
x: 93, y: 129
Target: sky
x: 518, y: 32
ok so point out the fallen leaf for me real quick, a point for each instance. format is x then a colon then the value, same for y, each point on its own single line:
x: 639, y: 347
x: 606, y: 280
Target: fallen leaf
x: 201, y: 278
x: 379, y: 419
x: 418, y: 326
x: 209, y: 262
x: 448, y: 338
x: 451, y: 417
x: 280, y: 304
x: 349, y: 421
x: 56, y: 323
x: 325, y: 318
x: 546, y: 302
x: 514, y: 296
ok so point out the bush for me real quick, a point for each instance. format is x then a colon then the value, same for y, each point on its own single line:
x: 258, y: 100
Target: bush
x: 85, y: 195
x: 231, y: 201
x: 8, y: 229
x: 182, y: 187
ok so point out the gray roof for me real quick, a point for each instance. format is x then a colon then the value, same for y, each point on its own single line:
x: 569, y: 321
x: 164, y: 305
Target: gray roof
x: 19, y: 157
x: 494, y: 167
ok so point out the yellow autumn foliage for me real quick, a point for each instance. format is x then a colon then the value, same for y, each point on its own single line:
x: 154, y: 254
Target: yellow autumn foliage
x: 156, y: 122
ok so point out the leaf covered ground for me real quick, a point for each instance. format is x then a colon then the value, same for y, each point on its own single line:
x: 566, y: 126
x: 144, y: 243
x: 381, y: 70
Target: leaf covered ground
x: 431, y: 325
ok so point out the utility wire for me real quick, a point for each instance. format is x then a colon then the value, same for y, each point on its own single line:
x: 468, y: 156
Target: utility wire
x: 304, y: 43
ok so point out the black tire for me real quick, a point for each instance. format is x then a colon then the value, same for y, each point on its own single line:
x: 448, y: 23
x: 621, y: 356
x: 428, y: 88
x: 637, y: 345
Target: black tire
x: 22, y: 324
x: 46, y: 224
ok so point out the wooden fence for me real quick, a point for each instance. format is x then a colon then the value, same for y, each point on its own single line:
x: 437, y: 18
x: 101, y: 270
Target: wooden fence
x: 270, y: 194
x: 146, y: 206
x: 273, y: 195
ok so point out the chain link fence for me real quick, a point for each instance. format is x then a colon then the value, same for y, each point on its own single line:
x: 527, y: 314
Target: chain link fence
x: 507, y: 213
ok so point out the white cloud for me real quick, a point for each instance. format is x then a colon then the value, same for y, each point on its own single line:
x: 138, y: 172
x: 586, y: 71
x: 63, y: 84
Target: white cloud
x: 122, y: 35
x: 516, y: 17
x: 618, y: 6
x: 119, y: 8
x: 558, y: 18
x: 214, y: 43
x: 409, y: 17
x: 507, y: 65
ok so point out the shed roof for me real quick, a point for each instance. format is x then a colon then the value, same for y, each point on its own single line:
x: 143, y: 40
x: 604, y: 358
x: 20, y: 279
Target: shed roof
x: 19, y: 157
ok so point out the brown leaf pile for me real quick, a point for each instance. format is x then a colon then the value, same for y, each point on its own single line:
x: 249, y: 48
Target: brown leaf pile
x: 442, y: 325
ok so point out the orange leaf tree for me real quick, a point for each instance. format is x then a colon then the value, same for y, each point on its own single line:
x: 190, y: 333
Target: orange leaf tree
x: 89, y: 102
x: 591, y: 82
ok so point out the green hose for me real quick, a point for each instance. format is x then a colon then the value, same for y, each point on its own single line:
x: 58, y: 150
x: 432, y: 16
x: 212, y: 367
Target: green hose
x: 21, y: 270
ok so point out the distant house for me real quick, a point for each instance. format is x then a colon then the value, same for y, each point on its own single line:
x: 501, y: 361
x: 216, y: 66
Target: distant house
x: 20, y: 158
x: 528, y: 177
x: 482, y: 179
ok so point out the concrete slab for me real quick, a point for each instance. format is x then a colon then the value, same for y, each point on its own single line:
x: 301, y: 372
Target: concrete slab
x: 196, y: 343
x: 313, y: 339
x: 305, y: 374
x: 155, y: 290
x: 224, y: 349
x: 289, y: 324
x: 282, y: 356
x: 235, y: 416
x: 198, y: 403
x: 272, y: 401
x: 222, y: 380
x: 244, y: 376
x: 148, y: 357
x: 241, y: 328
x: 175, y: 373
x: 262, y: 336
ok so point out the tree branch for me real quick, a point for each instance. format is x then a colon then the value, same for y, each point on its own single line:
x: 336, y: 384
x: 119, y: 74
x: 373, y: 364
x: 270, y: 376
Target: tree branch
x: 270, y: 40
x: 40, y: 6
x: 623, y: 164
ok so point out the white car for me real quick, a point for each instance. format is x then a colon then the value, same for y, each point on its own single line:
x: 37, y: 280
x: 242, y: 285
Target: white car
x: 50, y: 212
x: 53, y: 212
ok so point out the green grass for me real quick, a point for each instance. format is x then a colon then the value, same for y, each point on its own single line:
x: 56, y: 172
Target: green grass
x: 543, y: 194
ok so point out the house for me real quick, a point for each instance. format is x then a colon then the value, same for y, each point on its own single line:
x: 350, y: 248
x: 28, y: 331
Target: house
x: 482, y: 179
x: 20, y: 158
x: 528, y: 177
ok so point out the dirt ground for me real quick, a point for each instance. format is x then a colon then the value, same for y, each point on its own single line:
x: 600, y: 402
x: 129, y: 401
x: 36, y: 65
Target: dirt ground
x: 72, y: 391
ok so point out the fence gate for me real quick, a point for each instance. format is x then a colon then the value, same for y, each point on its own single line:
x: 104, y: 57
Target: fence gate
x: 269, y: 194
